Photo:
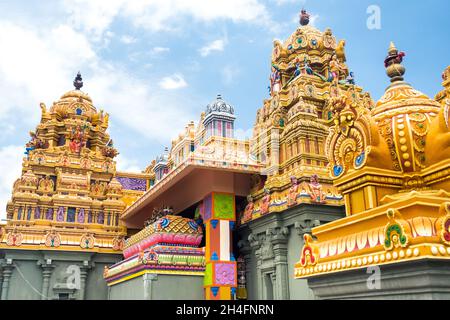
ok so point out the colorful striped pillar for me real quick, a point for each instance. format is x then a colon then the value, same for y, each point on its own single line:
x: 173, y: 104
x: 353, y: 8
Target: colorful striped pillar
x: 219, y: 217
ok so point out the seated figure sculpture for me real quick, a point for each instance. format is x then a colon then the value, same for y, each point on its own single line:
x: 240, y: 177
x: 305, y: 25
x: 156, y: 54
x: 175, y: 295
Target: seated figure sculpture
x: 315, y: 191
x: 293, y: 192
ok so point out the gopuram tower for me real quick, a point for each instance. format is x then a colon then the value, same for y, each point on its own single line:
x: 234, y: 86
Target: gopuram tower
x: 394, y: 242
x: 295, y: 191
x: 64, y: 214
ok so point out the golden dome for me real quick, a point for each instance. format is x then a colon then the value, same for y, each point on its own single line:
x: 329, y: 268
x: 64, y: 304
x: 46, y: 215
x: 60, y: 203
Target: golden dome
x: 406, y: 131
x: 75, y: 103
x: 404, y: 117
x: 77, y: 95
x: 317, y: 45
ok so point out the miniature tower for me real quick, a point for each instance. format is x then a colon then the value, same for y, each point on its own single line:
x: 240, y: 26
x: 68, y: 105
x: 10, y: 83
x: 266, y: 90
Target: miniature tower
x: 67, y: 197
x: 291, y: 128
x: 219, y: 119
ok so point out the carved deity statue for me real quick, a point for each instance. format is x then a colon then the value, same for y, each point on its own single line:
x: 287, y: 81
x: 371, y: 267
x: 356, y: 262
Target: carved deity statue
x: 77, y: 140
x: 265, y: 204
x: 337, y: 69
x: 105, y: 120
x: 314, y: 188
x: 35, y: 143
x: 307, y: 68
x: 275, y: 80
x: 298, y: 69
x: 340, y: 51
x: 248, y: 213
x: 46, y: 184
x: 45, y: 114
x: 293, y: 192
x: 350, y: 80
x: 109, y: 150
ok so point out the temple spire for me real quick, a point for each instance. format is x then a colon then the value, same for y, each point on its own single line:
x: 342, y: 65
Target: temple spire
x: 393, y: 64
x: 304, y: 18
x: 78, y: 82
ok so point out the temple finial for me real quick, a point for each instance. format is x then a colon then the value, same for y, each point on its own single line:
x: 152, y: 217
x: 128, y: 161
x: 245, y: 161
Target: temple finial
x: 392, y: 48
x: 78, y: 82
x: 393, y: 63
x: 304, y: 18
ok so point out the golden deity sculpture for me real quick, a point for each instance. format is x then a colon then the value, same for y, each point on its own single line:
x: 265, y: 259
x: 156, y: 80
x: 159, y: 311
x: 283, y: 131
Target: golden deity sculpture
x: 392, y: 166
x: 69, y: 196
x: 308, y: 71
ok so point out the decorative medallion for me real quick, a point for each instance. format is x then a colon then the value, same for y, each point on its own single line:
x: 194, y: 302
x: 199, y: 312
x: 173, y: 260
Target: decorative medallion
x: 225, y: 274
x: 52, y: 239
x: 118, y: 243
x: 360, y: 160
x: 194, y: 226
x: 444, y: 223
x: 396, y: 231
x: 87, y: 241
x: 310, y: 253
x: 14, y: 239
x: 163, y: 223
x: 148, y: 257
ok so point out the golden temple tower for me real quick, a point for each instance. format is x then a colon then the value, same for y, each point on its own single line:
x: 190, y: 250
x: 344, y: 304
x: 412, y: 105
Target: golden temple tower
x: 68, y: 197
x: 392, y: 166
x: 291, y: 128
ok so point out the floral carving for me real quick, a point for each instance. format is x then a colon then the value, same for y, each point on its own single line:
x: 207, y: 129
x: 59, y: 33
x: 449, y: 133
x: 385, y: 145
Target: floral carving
x: 310, y: 253
x: 396, y: 232
x: 52, y: 239
x: 14, y: 239
x: 225, y: 274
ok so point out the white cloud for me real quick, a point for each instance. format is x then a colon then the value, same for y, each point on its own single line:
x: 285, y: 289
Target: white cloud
x: 216, y: 45
x: 155, y: 15
x: 173, y: 82
x: 125, y: 164
x: 243, y: 134
x: 93, y: 16
x: 10, y: 168
x: 127, y: 39
x: 313, y: 19
x: 39, y: 64
x: 159, y: 50
x: 229, y: 74
x: 283, y: 2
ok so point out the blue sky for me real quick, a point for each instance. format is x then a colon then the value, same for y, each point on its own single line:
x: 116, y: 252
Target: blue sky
x: 154, y: 65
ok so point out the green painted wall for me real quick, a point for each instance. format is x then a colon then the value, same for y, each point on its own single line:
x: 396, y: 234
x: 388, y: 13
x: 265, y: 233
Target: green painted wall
x: 159, y: 287
x: 65, y: 273
x: 129, y: 290
x: 298, y: 289
x: 271, y: 247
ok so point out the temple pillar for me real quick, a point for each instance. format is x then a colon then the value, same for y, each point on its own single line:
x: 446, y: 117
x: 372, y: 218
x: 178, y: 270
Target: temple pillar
x: 306, y: 226
x: 1, y: 278
x: 245, y: 252
x: 280, y: 250
x: 7, y: 271
x: 221, y: 269
x: 84, y: 270
x: 255, y: 244
x: 47, y: 271
x: 273, y: 280
x: 148, y: 286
